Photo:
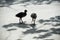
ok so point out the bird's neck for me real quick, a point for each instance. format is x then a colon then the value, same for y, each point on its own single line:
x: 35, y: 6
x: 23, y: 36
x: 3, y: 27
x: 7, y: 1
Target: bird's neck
x: 25, y: 12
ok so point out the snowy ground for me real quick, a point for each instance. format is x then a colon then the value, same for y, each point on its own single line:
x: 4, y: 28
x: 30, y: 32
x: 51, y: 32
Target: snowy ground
x: 10, y: 29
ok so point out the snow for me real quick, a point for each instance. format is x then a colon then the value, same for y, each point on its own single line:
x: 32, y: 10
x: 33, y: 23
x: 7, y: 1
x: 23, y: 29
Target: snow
x: 7, y: 17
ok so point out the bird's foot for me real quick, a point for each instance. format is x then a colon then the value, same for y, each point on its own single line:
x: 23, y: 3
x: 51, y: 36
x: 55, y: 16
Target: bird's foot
x: 20, y: 23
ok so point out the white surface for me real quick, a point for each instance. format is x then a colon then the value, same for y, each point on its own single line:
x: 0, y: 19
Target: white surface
x: 7, y: 16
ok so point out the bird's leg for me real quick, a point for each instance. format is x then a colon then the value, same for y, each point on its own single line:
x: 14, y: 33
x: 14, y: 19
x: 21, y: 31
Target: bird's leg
x: 20, y: 20
x: 34, y: 21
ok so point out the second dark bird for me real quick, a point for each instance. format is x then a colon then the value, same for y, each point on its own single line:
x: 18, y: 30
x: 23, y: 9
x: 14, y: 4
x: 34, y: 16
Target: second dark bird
x: 33, y: 16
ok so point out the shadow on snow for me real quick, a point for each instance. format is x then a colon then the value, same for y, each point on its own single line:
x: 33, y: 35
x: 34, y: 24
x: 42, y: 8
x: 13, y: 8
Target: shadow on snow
x: 48, y: 34
x: 16, y: 25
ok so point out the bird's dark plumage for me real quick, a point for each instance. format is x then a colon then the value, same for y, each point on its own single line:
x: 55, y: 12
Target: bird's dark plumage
x: 21, y: 14
x: 33, y: 15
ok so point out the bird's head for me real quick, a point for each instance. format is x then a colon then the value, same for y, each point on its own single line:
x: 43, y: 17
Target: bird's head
x: 25, y: 10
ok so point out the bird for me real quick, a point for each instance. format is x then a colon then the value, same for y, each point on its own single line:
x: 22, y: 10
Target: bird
x: 20, y: 15
x: 33, y: 16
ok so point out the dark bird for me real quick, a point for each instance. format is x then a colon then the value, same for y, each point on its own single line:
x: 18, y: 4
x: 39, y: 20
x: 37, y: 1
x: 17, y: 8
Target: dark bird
x: 21, y: 15
x: 33, y: 16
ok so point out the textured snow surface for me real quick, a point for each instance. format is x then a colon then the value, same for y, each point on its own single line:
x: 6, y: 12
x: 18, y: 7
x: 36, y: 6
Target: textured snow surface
x: 10, y: 29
